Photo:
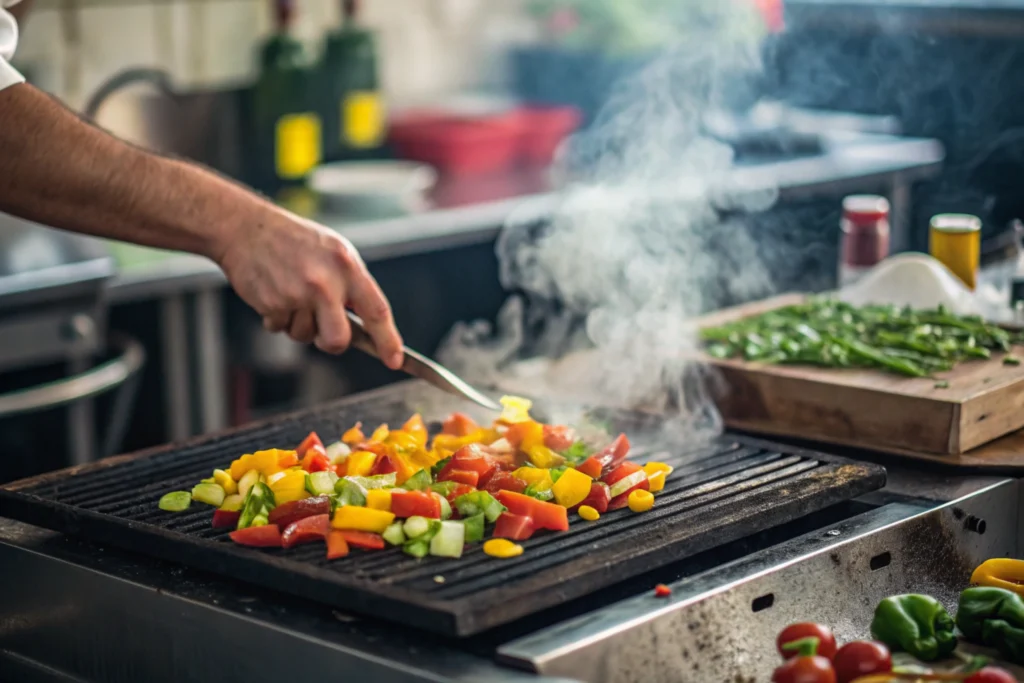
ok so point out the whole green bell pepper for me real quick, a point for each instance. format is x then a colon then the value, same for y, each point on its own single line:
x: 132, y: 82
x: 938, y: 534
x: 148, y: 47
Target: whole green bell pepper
x: 917, y: 624
x: 993, y: 617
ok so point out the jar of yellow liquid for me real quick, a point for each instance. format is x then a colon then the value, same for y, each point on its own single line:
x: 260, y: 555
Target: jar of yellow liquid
x: 955, y: 241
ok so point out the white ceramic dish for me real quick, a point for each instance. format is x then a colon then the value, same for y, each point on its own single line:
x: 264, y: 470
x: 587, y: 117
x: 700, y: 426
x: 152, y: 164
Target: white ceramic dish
x: 373, y: 189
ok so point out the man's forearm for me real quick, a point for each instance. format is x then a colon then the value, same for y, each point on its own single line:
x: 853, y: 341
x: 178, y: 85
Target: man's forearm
x: 57, y: 170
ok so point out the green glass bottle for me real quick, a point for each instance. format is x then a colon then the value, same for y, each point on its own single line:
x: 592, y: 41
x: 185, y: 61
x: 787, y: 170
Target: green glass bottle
x: 287, y: 130
x: 351, y: 104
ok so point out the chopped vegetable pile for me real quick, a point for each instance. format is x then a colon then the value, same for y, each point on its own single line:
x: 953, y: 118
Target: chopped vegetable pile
x: 431, y: 497
x: 830, y: 333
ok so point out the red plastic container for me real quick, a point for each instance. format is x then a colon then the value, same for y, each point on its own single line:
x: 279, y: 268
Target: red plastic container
x: 543, y: 129
x: 458, y: 144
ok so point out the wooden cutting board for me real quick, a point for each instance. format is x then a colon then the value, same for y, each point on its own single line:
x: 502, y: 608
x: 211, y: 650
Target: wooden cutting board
x: 867, y: 408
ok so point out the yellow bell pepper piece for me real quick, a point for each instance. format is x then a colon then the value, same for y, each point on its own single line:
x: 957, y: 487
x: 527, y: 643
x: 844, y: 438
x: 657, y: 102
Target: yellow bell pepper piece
x: 416, y: 428
x: 588, y: 513
x: 287, y: 480
x: 240, y: 466
x: 360, y: 463
x: 379, y: 499
x: 531, y: 435
x: 571, y: 488
x: 502, y: 547
x: 542, y: 456
x: 265, y: 461
x: 359, y: 518
x: 655, y: 467
x: 225, y: 481
x: 515, y: 409
x: 640, y: 501
x: 402, y: 441
x: 1000, y: 573
x: 354, y: 435
x: 288, y: 495
x: 406, y: 468
x: 380, y: 434
x: 656, y: 481
x: 539, y: 477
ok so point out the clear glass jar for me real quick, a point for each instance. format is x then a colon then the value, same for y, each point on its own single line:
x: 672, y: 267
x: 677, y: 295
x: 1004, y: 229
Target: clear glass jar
x: 864, y: 241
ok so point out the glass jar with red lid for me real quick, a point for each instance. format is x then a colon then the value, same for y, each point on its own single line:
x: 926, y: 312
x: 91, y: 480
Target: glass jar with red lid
x: 864, y: 239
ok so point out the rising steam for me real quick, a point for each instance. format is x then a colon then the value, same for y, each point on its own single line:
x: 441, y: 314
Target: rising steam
x: 636, y: 244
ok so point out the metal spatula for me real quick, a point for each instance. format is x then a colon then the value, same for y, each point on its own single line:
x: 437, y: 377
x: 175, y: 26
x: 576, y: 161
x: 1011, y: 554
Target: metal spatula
x: 418, y: 365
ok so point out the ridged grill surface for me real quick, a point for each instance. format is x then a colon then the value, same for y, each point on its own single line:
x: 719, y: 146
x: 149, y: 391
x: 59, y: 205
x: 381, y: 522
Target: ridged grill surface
x: 735, y: 487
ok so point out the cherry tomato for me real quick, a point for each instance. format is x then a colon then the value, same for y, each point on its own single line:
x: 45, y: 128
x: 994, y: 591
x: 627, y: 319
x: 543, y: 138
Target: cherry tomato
x: 826, y: 641
x: 816, y: 669
x: 991, y: 674
x: 861, y: 658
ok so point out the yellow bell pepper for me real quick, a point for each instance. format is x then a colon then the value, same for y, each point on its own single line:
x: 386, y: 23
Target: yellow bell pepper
x: 360, y: 463
x: 656, y: 481
x: 379, y: 499
x: 571, y: 488
x: 225, y: 481
x: 542, y: 456
x: 503, y: 548
x: 415, y: 427
x: 402, y: 441
x: 657, y: 473
x: 359, y: 518
x: 1000, y: 573
x: 380, y: 434
x: 289, y: 495
x: 406, y: 468
x: 354, y: 435
x: 540, y: 478
x: 266, y: 461
x: 531, y: 435
x: 588, y: 513
x: 515, y: 409
x: 640, y: 501
x: 240, y: 466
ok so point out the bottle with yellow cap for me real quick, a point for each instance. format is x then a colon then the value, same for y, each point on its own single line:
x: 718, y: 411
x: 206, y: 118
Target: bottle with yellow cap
x: 955, y: 241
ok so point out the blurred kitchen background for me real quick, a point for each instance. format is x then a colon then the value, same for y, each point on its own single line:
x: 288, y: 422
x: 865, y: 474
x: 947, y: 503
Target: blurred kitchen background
x: 417, y: 128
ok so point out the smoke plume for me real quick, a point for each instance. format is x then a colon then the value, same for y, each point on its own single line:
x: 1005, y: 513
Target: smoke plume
x: 604, y: 285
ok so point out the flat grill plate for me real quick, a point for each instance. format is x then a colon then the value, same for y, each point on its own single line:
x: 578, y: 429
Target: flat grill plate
x: 736, y: 487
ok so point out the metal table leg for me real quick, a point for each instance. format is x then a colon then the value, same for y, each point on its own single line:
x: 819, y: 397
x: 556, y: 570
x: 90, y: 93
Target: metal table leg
x: 81, y: 421
x: 900, y: 218
x: 174, y: 333
x: 213, y: 400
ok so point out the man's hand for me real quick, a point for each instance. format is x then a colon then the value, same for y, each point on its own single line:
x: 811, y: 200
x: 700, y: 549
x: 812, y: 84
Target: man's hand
x: 57, y: 170
x: 300, y: 277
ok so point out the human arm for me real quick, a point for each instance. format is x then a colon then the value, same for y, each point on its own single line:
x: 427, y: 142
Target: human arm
x: 58, y: 170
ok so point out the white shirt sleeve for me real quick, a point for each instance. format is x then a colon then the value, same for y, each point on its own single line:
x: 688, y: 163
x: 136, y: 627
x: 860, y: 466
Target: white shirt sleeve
x: 8, y: 41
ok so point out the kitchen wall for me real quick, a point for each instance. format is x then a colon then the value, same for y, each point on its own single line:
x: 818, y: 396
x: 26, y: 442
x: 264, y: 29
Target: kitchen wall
x: 429, y: 48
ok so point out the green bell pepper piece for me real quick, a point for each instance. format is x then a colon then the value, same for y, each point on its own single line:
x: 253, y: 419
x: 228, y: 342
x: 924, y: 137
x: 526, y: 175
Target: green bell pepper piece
x: 917, y: 624
x: 993, y: 617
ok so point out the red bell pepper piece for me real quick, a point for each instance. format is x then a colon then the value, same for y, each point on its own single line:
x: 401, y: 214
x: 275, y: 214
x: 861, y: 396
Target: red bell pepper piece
x: 383, y: 465
x: 621, y: 472
x: 286, y: 514
x: 513, y: 527
x: 598, y: 498
x: 504, y: 481
x: 315, y: 459
x: 459, y: 490
x: 459, y: 476
x: 337, y: 546
x: 544, y: 515
x: 226, y: 519
x: 459, y: 424
x: 413, y: 503
x: 361, y: 539
x: 266, y: 536
x: 590, y: 467
x: 306, y: 530
x: 309, y: 442
x: 557, y: 437
x: 473, y: 458
x: 612, y: 455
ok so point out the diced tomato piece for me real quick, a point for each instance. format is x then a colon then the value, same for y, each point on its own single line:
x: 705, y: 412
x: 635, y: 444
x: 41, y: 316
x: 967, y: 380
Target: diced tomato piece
x: 544, y: 515
x: 383, y: 465
x: 306, y: 530
x: 513, y: 527
x: 413, y: 503
x: 504, y: 481
x: 459, y: 490
x: 621, y: 472
x: 309, y: 442
x: 459, y: 424
x: 558, y: 437
x: 289, y: 459
x: 341, y: 469
x: 459, y: 476
x: 598, y: 498
x: 337, y: 546
x: 361, y: 539
x: 315, y: 459
x: 266, y: 536
x: 226, y: 519
x: 473, y: 458
x: 613, y: 454
x: 590, y: 467
x: 288, y: 513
